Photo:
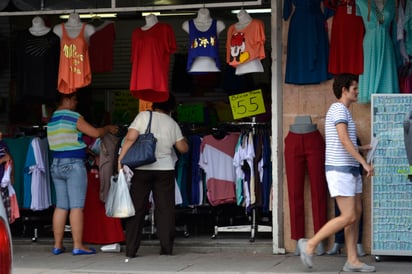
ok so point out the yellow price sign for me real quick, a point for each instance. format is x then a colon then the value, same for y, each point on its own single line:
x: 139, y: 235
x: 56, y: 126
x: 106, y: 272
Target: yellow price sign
x: 247, y: 104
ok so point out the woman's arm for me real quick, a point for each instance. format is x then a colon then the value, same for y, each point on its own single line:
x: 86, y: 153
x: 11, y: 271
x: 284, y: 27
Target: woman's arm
x: 91, y: 131
x: 343, y: 134
x: 129, y: 139
x: 182, y: 146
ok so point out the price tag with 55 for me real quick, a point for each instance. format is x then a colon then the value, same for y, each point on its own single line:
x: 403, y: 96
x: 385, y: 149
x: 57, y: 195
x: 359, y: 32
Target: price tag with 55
x: 247, y: 104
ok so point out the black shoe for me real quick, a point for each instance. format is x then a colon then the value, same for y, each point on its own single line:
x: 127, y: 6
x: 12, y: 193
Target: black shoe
x: 163, y: 251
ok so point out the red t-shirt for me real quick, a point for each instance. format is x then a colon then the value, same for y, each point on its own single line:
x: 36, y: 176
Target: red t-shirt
x: 101, y: 48
x: 150, y: 57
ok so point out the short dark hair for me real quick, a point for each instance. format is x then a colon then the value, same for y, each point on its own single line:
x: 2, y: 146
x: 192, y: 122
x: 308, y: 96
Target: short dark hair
x: 344, y: 80
x: 166, y: 106
x: 63, y: 96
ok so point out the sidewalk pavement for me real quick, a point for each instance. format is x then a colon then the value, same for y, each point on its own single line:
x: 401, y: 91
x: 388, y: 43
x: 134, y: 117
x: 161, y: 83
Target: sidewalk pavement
x: 190, y: 256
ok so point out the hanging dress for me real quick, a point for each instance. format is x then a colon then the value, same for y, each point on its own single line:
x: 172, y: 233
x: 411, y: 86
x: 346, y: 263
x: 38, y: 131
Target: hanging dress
x: 308, y: 45
x: 347, y: 26
x: 380, y: 71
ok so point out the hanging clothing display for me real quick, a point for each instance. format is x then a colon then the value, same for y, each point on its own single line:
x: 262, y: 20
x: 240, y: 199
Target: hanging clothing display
x: 74, y: 67
x: 216, y: 159
x: 150, y: 57
x: 308, y: 45
x: 346, y: 57
x: 101, y: 47
x: 18, y: 148
x: 37, y: 66
x: 407, y: 25
x: 380, y: 73
x: 245, y: 45
x: 305, y: 151
x: 37, y: 182
x: 203, y: 43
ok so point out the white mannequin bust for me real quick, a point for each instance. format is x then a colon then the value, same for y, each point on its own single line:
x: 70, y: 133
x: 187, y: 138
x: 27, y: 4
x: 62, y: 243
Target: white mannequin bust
x: 73, y: 27
x: 254, y: 65
x: 38, y: 27
x: 243, y: 19
x: 151, y: 20
x: 202, y: 22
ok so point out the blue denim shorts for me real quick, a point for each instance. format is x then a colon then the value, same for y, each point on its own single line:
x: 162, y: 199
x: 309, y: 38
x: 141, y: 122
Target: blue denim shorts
x: 69, y: 177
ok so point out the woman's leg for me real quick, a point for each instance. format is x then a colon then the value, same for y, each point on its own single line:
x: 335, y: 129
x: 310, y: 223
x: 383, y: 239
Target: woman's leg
x: 352, y: 231
x: 77, y: 186
x: 164, y: 199
x: 76, y: 223
x: 347, y: 217
x: 139, y: 192
x: 59, y: 221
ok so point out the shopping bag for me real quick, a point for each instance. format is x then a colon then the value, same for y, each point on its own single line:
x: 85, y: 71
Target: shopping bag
x: 119, y: 203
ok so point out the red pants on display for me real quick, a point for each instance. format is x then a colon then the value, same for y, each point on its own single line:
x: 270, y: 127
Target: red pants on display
x: 303, y: 152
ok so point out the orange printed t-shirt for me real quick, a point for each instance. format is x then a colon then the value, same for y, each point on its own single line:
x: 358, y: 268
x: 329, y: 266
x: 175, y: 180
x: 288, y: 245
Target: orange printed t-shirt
x: 246, y: 44
x: 74, y: 67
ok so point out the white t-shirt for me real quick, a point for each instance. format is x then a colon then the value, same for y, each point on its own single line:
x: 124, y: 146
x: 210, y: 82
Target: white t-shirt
x: 167, y: 132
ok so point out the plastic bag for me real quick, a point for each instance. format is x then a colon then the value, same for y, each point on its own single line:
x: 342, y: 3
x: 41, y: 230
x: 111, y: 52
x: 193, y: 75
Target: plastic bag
x: 119, y: 203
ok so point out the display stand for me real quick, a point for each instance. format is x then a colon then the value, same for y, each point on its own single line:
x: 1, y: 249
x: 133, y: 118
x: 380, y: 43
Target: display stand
x: 252, y: 227
x: 391, y: 184
x: 150, y: 228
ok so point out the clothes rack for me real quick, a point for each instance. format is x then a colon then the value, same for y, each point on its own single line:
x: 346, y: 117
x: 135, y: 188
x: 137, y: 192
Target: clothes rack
x: 253, y: 227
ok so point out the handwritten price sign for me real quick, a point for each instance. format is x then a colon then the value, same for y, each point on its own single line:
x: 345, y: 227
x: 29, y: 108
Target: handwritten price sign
x: 247, y: 104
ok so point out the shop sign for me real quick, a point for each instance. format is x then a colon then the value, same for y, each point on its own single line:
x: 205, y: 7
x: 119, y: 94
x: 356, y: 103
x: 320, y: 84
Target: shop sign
x: 247, y: 104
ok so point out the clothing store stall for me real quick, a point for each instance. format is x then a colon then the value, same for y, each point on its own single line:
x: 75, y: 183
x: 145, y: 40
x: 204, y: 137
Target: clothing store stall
x: 248, y: 201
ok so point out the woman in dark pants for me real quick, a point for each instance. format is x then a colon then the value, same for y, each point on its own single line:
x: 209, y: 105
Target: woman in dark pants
x: 158, y: 177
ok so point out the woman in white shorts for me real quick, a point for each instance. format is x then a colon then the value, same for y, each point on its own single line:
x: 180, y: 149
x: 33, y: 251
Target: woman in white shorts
x: 343, y: 176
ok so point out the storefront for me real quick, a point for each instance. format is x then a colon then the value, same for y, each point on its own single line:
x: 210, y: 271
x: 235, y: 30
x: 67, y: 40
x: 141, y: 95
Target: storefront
x: 288, y: 101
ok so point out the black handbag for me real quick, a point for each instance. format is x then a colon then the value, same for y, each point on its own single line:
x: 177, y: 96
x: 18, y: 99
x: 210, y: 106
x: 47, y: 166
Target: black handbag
x: 142, y: 152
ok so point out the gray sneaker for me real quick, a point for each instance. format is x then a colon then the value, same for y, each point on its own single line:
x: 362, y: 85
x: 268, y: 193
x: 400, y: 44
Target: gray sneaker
x: 362, y: 268
x: 304, y: 257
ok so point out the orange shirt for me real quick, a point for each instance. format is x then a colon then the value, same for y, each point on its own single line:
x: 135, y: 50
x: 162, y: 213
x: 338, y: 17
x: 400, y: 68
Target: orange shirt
x: 246, y: 44
x: 74, y: 67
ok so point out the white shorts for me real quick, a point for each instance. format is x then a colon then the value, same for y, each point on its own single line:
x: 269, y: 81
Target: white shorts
x: 343, y: 184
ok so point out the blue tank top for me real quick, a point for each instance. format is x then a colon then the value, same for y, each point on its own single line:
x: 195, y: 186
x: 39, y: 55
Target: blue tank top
x: 203, y: 44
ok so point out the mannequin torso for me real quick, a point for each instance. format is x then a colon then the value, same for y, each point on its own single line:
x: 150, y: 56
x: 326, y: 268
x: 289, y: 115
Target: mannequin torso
x: 73, y: 27
x: 302, y: 125
x: 151, y: 20
x: 203, y: 22
x: 38, y: 27
x: 244, y: 20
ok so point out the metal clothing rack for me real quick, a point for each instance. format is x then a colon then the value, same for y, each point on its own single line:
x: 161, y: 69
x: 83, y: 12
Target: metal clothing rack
x: 253, y: 228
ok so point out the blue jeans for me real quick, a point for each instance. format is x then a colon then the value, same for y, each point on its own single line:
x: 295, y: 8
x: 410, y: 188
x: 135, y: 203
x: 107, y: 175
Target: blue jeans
x: 70, y: 181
